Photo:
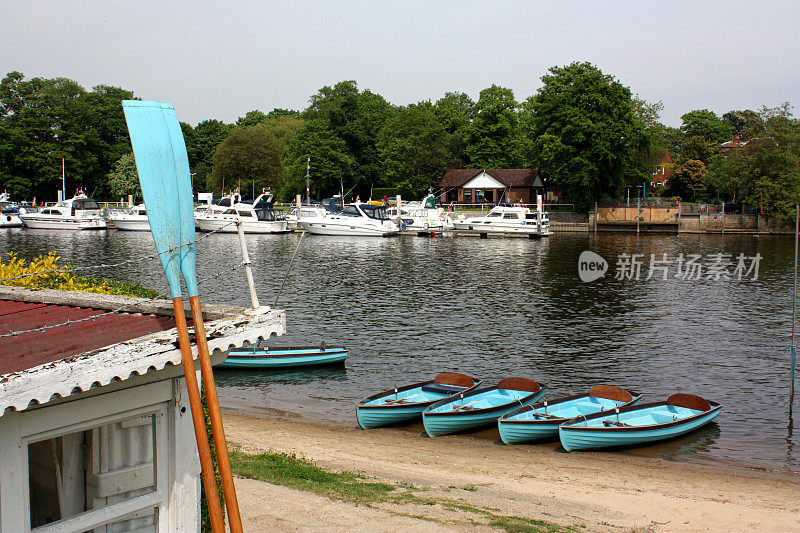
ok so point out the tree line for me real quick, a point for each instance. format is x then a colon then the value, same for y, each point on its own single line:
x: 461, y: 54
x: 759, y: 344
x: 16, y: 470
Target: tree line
x: 586, y: 132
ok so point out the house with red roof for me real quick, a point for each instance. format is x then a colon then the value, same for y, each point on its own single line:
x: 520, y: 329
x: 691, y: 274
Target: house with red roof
x: 484, y: 185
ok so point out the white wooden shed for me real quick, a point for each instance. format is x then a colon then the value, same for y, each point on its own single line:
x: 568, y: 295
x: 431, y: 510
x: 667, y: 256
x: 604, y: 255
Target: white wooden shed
x: 95, y: 429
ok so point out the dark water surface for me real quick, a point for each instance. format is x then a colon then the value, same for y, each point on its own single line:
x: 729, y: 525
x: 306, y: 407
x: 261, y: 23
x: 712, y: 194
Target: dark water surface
x: 410, y: 307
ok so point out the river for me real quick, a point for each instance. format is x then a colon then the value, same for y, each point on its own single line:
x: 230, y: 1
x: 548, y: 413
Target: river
x: 410, y: 307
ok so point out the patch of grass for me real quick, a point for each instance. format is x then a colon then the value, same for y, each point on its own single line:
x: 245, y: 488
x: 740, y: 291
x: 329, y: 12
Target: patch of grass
x: 290, y: 471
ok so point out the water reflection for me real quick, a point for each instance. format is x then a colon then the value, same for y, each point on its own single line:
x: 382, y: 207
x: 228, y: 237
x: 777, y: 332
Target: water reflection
x: 408, y: 308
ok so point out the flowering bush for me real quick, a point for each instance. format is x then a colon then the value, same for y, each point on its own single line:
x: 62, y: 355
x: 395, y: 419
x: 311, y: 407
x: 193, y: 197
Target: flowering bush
x: 45, y: 272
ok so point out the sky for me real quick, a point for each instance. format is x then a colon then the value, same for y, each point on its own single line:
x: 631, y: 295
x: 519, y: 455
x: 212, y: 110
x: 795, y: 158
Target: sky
x: 219, y: 60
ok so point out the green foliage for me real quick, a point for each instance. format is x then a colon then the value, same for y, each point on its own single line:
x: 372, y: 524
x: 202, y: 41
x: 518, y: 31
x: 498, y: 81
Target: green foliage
x: 124, y: 178
x: 746, y: 124
x: 332, y: 165
x: 492, y: 137
x: 707, y: 125
x: 688, y: 178
x: 44, y: 120
x: 252, y: 118
x: 49, y: 274
x: 414, y: 148
x: 582, y: 129
x: 455, y: 111
x: 201, y: 146
x: 765, y: 173
x: 205, y: 517
x: 355, y: 118
x: 252, y: 157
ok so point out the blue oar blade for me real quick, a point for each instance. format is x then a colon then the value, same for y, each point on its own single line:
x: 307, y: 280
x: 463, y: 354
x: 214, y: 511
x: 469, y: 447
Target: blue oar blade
x: 185, y: 199
x: 152, y: 149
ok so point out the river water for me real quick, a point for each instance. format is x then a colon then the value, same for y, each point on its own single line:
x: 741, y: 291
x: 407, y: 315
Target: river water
x: 410, y: 307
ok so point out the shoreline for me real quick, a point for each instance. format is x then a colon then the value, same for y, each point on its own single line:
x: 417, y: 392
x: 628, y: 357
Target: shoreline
x: 600, y: 491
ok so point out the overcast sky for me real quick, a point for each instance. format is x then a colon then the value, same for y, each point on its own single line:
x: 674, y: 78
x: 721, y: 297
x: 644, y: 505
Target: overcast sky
x: 222, y: 59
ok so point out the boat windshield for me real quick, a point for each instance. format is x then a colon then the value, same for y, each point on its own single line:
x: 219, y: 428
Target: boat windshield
x: 265, y: 214
x: 349, y: 211
x: 376, y: 212
x: 494, y: 214
x: 84, y: 204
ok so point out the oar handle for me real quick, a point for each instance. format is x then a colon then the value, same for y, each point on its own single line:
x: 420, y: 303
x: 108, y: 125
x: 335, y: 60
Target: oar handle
x: 209, y: 483
x: 220, y: 444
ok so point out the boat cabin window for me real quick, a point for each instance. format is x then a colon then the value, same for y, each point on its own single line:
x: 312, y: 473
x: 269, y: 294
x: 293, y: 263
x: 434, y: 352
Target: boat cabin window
x: 243, y: 214
x: 229, y: 212
x: 494, y: 214
x: 265, y: 214
x: 84, y: 204
x: 350, y: 211
x: 378, y: 213
x: 530, y: 216
x: 510, y: 215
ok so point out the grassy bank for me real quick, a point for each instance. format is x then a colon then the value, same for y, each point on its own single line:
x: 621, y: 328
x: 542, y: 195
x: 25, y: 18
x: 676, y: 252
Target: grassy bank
x: 402, y: 500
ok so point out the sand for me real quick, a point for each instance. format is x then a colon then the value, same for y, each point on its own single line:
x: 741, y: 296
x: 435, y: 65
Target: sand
x: 594, y: 491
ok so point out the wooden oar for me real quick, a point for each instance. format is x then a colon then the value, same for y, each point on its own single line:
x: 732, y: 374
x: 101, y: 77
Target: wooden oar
x: 465, y: 405
x: 152, y: 149
x: 185, y: 207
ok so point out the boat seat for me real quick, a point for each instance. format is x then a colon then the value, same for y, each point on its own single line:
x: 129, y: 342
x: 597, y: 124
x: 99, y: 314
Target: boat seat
x: 611, y: 393
x: 689, y: 401
x: 454, y: 378
x: 520, y: 384
x: 443, y: 388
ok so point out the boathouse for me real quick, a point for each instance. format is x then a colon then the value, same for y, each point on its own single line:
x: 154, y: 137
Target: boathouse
x: 477, y: 186
x: 96, y: 430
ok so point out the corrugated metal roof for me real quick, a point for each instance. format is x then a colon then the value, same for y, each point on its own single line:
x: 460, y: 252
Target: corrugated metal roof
x: 40, y: 366
x: 35, y: 348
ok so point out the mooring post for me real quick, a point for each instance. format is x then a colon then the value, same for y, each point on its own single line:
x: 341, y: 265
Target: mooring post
x: 794, y: 299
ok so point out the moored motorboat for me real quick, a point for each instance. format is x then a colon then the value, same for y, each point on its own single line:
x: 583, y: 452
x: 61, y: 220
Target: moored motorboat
x: 254, y: 217
x: 132, y: 218
x: 406, y: 403
x: 425, y: 215
x: 506, y: 219
x: 77, y: 213
x: 9, y: 212
x: 638, y: 424
x: 540, y: 421
x: 277, y: 357
x: 358, y: 219
x: 480, y: 407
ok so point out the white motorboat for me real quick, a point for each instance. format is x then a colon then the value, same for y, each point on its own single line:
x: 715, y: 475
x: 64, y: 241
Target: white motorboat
x: 357, y: 219
x: 506, y: 219
x: 130, y: 219
x: 9, y: 212
x: 421, y: 216
x: 305, y: 211
x: 256, y: 217
x: 79, y: 212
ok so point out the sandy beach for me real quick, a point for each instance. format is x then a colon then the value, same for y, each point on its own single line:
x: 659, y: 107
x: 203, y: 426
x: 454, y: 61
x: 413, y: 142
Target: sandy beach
x: 597, y: 491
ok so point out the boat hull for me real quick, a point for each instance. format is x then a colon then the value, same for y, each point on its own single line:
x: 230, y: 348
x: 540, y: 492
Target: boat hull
x: 34, y: 222
x: 499, y: 228
x: 383, y: 409
x: 329, y: 228
x: 575, y: 437
x: 518, y: 426
x: 284, y: 358
x: 131, y: 225
x: 10, y: 221
x: 441, y: 423
x: 229, y: 226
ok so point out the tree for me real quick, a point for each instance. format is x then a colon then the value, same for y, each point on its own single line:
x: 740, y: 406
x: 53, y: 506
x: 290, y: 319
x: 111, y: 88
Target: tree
x: 355, y: 118
x: 582, y: 128
x: 706, y: 125
x: 250, y: 158
x: 45, y: 120
x: 455, y: 112
x: 414, y: 148
x: 688, y: 178
x: 746, y: 124
x: 251, y: 119
x: 124, y: 178
x: 201, y: 146
x: 492, y: 137
x: 332, y: 166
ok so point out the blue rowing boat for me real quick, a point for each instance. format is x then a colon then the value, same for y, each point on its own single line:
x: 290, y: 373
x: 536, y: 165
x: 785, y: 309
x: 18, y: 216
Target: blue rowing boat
x: 284, y: 357
x: 480, y: 407
x: 638, y: 424
x: 405, y: 404
x: 540, y: 421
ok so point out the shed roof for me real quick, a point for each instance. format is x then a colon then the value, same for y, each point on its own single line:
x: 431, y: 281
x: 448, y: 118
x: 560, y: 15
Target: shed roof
x: 39, y: 366
x: 510, y: 177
